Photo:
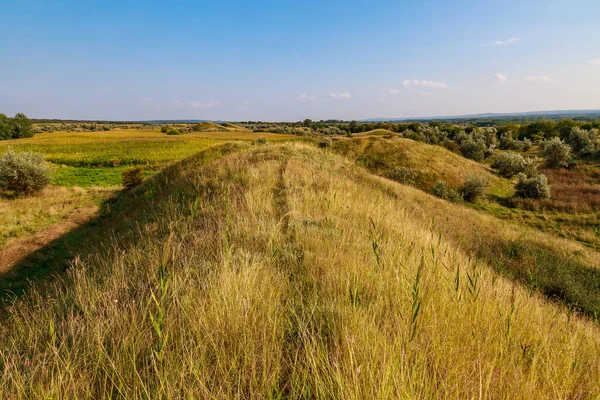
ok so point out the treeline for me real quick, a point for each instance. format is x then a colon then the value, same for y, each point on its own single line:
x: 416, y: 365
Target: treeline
x: 16, y: 127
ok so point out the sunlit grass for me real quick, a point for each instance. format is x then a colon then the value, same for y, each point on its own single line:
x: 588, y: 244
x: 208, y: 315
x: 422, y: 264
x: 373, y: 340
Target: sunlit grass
x: 286, y: 272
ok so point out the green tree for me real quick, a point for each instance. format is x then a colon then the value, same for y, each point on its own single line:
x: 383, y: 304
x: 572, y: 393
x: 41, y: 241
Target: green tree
x: 5, y: 127
x: 21, y: 127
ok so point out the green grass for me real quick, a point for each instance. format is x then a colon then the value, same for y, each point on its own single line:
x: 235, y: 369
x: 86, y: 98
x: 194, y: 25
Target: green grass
x: 90, y: 159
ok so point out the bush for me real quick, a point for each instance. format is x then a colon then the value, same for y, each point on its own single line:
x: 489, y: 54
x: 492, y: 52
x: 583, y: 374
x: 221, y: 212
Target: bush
x: 403, y: 175
x: 23, y: 173
x: 531, y: 166
x: 261, y: 140
x: 584, y: 143
x: 164, y: 129
x: 556, y: 153
x: 474, y: 187
x: 174, y: 131
x: 533, y: 188
x: 132, y: 177
x: 325, y: 142
x: 475, y: 150
x: 443, y: 191
x: 508, y: 164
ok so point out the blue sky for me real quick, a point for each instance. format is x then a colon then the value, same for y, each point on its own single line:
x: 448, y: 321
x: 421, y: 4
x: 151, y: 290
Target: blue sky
x: 290, y: 60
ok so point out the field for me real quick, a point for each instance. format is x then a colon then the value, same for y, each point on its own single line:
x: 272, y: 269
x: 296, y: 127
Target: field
x: 88, y: 159
x: 86, y: 171
x: 284, y: 271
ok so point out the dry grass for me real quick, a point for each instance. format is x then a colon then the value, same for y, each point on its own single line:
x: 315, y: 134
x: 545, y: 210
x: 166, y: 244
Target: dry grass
x: 281, y: 271
x: 429, y: 162
x: 25, y: 216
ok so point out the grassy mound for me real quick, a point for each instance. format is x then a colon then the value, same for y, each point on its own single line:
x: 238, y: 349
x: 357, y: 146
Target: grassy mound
x: 234, y: 127
x: 427, y: 163
x: 214, y: 127
x: 283, y: 271
x: 377, y: 132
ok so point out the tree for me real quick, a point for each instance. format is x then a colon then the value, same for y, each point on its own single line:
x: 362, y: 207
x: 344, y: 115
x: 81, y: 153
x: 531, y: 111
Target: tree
x: 565, y: 127
x: 5, y: 127
x: 22, y: 127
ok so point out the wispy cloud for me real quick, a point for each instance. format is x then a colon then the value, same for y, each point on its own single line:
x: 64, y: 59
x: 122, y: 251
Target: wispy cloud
x: 394, y: 91
x: 499, y: 78
x: 208, y: 104
x: 305, y: 97
x: 426, y: 84
x: 543, y: 78
x: 344, y: 95
x: 146, y: 99
x: 595, y: 61
x: 500, y: 42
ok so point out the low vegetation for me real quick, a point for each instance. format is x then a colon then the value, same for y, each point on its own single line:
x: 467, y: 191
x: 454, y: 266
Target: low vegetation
x: 23, y: 173
x: 284, y: 271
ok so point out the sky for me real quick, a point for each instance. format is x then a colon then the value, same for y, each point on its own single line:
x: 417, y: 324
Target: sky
x: 280, y: 60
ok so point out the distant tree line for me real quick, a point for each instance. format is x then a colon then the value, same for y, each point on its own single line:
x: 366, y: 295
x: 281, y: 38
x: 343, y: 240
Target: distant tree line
x: 16, y: 127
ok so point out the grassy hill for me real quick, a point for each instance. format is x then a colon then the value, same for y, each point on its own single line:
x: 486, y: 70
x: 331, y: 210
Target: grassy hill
x: 284, y: 271
x: 426, y: 163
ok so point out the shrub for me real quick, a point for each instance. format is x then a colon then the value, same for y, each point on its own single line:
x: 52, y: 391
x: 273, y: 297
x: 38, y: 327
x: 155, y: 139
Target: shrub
x: 23, y: 173
x: 474, y: 187
x: 174, y: 131
x: 530, y: 167
x: 583, y: 142
x: 325, y: 142
x: 556, y: 153
x: 164, y: 129
x: 527, y: 144
x: 475, y: 150
x: 443, y: 191
x: 403, y: 175
x: 261, y: 140
x: 508, y: 164
x: 132, y: 177
x: 533, y: 188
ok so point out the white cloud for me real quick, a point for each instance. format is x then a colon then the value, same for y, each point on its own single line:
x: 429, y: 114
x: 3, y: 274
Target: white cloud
x: 426, y: 84
x: 208, y: 104
x: 545, y: 79
x: 178, y: 103
x: 499, y: 78
x: 500, y: 42
x: 394, y: 91
x: 332, y: 95
x: 146, y: 99
x: 345, y: 95
x: 595, y: 61
x: 305, y: 97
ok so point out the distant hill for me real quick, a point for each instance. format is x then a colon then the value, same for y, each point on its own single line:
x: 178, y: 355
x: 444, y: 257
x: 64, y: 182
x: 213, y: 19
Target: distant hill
x: 518, y: 116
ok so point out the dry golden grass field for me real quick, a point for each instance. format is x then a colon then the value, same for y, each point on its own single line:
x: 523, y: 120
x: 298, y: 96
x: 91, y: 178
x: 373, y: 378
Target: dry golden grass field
x: 285, y: 271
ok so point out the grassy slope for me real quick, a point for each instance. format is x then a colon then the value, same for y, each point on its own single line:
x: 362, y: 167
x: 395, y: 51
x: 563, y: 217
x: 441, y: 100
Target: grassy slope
x: 429, y: 162
x: 283, y: 271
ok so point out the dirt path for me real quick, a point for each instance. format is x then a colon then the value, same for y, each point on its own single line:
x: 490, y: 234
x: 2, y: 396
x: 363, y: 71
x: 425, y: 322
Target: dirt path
x: 18, y: 249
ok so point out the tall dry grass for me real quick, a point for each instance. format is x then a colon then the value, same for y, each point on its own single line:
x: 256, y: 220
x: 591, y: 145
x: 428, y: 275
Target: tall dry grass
x: 281, y: 272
